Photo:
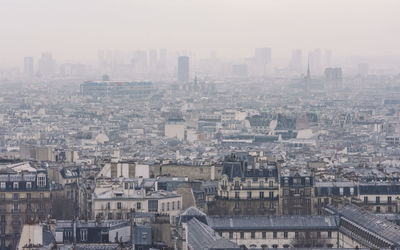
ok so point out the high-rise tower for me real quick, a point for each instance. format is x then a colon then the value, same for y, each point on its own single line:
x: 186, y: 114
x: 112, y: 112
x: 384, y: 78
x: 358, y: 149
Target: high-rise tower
x: 183, y: 69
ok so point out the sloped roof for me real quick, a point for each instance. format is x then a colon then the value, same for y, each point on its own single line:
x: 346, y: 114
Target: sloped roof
x: 201, y: 236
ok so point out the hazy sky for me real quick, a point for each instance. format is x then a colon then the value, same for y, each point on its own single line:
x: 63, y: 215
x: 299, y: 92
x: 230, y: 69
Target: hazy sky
x: 76, y: 29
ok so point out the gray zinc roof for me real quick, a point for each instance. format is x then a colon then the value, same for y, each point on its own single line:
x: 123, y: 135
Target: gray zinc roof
x: 296, y: 222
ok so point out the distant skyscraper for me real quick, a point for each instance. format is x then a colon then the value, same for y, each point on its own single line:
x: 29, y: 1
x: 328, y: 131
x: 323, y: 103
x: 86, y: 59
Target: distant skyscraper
x: 47, y: 65
x: 262, y: 56
x: 183, y: 69
x: 28, y: 66
x: 296, y: 61
x: 333, y: 78
x: 307, y: 80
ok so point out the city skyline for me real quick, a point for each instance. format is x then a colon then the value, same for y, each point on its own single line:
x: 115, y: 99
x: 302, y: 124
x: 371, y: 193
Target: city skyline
x: 78, y: 29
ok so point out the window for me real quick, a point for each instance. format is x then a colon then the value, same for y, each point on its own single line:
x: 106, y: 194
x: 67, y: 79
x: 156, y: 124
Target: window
x: 271, y: 184
x: 236, y: 195
x: 15, y: 185
x: 318, y: 235
x: 108, y: 205
x: 242, y: 235
x: 41, y: 195
x: 3, y: 218
x: 389, y: 209
x: 319, y: 201
x: 275, y: 235
x: 110, y: 216
x: 264, y: 235
x: 179, y: 205
x: 365, y: 199
x: 271, y: 205
x: 139, y: 205
x: 285, y: 235
x: 2, y: 185
x: 28, y: 185
x: 163, y: 206
x: 286, y: 191
x: 329, y: 234
x: 83, y: 234
x: 167, y: 206
x: 296, y: 235
x: 41, y: 181
x: 378, y: 199
x: 126, y: 185
x: 119, y: 205
x: 261, y: 184
x: 230, y: 235
x: 248, y: 195
x: 274, y: 246
x: 16, y: 207
x: 389, y: 199
x: 253, y: 235
x: 15, y: 197
x: 271, y: 195
x: 261, y: 195
x: 249, y: 184
x: 378, y: 209
x: 28, y: 206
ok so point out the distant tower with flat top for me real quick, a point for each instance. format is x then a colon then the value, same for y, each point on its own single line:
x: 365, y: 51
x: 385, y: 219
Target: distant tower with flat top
x: 307, y: 79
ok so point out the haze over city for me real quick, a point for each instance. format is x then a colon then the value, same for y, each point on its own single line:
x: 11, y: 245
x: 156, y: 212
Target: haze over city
x: 74, y: 30
x: 199, y: 124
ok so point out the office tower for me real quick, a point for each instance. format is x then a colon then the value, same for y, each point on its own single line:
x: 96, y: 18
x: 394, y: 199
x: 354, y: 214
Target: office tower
x: 333, y: 78
x: 261, y: 59
x: 262, y: 56
x: 296, y: 61
x: 47, y: 65
x: 363, y: 69
x: 307, y: 79
x: 139, y: 61
x: 28, y: 66
x: 183, y: 69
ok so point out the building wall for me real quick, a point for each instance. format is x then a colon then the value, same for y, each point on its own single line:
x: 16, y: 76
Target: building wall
x: 30, y: 205
x: 277, y: 238
x: 193, y: 172
x: 171, y: 206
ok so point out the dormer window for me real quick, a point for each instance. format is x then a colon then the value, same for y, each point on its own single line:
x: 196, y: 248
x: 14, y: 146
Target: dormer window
x: 41, y: 181
x: 28, y: 185
x: 15, y: 185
